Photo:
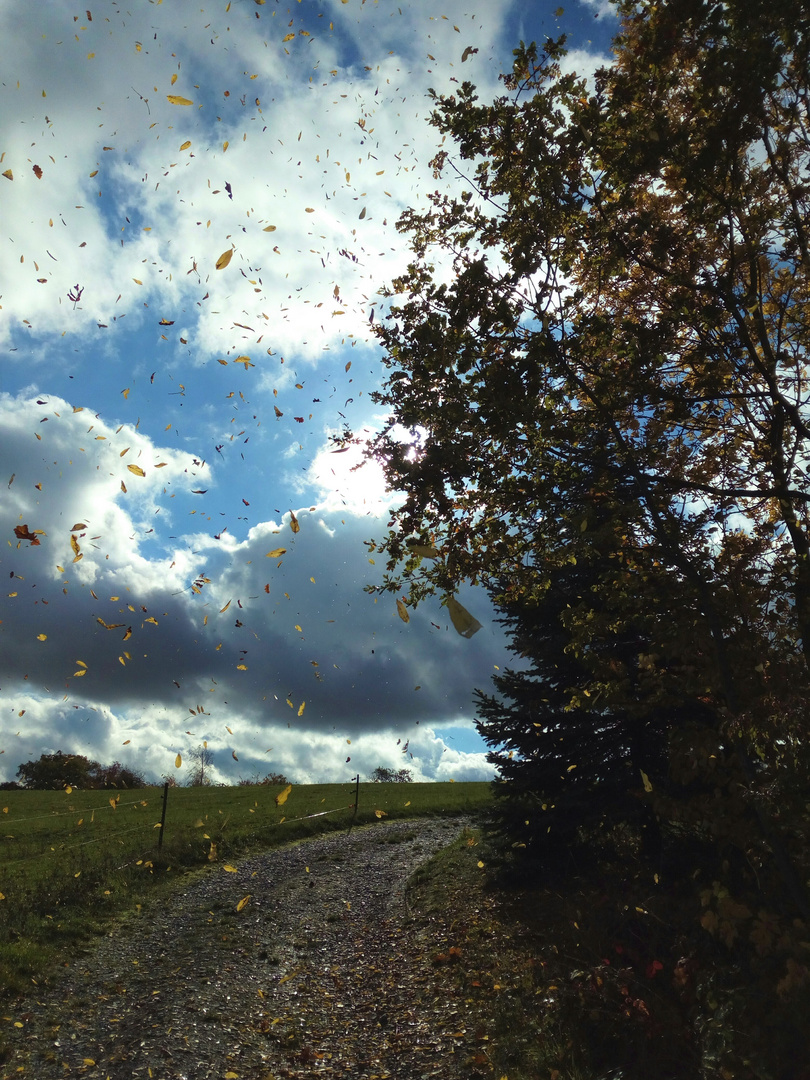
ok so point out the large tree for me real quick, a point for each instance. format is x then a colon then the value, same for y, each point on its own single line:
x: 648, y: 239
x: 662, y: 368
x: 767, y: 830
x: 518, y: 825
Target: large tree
x: 628, y: 260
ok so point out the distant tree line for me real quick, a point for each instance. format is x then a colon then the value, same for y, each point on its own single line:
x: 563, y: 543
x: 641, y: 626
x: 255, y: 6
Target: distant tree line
x: 382, y: 775
x: 52, y: 772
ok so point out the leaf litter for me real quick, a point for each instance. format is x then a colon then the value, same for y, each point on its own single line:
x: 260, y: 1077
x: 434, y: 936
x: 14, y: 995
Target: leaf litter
x: 320, y: 969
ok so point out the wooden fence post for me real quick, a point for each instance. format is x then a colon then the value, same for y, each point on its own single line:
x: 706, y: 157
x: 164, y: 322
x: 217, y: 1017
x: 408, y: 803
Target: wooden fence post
x: 356, y: 800
x: 163, y: 815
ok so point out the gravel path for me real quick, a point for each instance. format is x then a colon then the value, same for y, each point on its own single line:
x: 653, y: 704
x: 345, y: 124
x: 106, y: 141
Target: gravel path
x: 323, y: 972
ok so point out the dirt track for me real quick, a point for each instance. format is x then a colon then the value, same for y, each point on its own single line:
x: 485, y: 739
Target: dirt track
x: 323, y: 972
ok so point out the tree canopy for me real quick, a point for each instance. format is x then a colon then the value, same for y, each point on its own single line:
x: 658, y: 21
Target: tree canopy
x: 58, y: 770
x: 597, y: 355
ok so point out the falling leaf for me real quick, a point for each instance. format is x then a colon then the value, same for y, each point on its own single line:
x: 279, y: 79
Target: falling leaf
x: 646, y: 781
x: 37, y: 172
x: 275, y: 553
x: 22, y: 533
x: 185, y: 145
x: 301, y: 708
x: 224, y: 259
x: 294, y: 522
x: 136, y: 469
x: 465, y: 623
x: 269, y: 228
x: 229, y: 868
x: 175, y: 99
x: 178, y: 761
x: 9, y: 175
x: 403, y: 611
x: 380, y: 814
x: 243, y: 904
x: 281, y: 798
x: 42, y: 637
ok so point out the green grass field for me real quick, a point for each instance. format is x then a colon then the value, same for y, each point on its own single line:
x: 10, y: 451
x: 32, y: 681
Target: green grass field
x: 71, y: 862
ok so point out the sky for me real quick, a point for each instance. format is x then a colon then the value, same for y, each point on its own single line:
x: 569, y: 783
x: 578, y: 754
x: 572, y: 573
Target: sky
x: 198, y: 210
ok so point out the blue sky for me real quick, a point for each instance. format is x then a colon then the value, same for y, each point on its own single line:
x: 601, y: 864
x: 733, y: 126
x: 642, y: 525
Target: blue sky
x: 198, y: 214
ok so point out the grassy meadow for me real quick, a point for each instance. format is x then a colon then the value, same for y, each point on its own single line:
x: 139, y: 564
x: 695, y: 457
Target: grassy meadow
x: 70, y: 862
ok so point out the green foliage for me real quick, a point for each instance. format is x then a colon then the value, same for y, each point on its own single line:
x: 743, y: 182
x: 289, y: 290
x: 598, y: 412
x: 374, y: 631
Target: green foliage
x: 57, y: 771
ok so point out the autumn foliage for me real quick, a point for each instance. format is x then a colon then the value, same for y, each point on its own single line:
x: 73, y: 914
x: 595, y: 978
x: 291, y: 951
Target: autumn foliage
x: 599, y: 409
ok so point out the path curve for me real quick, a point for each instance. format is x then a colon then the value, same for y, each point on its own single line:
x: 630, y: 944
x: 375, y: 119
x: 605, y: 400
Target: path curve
x: 321, y: 973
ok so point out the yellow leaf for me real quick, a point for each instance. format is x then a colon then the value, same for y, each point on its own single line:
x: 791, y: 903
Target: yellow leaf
x: 9, y: 175
x: 403, y: 611
x: 465, y: 623
x: 301, y: 708
x: 380, y: 814
x: 224, y: 259
x: 185, y: 145
x: 243, y: 902
x: 269, y: 228
x: 42, y: 637
x: 174, y: 78
x: 225, y: 146
x: 480, y: 865
x: 175, y: 99
x: 294, y: 523
x: 281, y: 798
x: 275, y: 553
x: 225, y: 608
x: 289, y: 37
x: 645, y: 781
x: 68, y: 789
x: 229, y: 868
x: 178, y: 761
x: 408, y: 803
x: 152, y: 620
x: 136, y: 469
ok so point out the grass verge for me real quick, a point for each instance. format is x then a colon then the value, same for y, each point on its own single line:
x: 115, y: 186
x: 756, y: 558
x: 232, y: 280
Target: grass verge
x: 606, y: 973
